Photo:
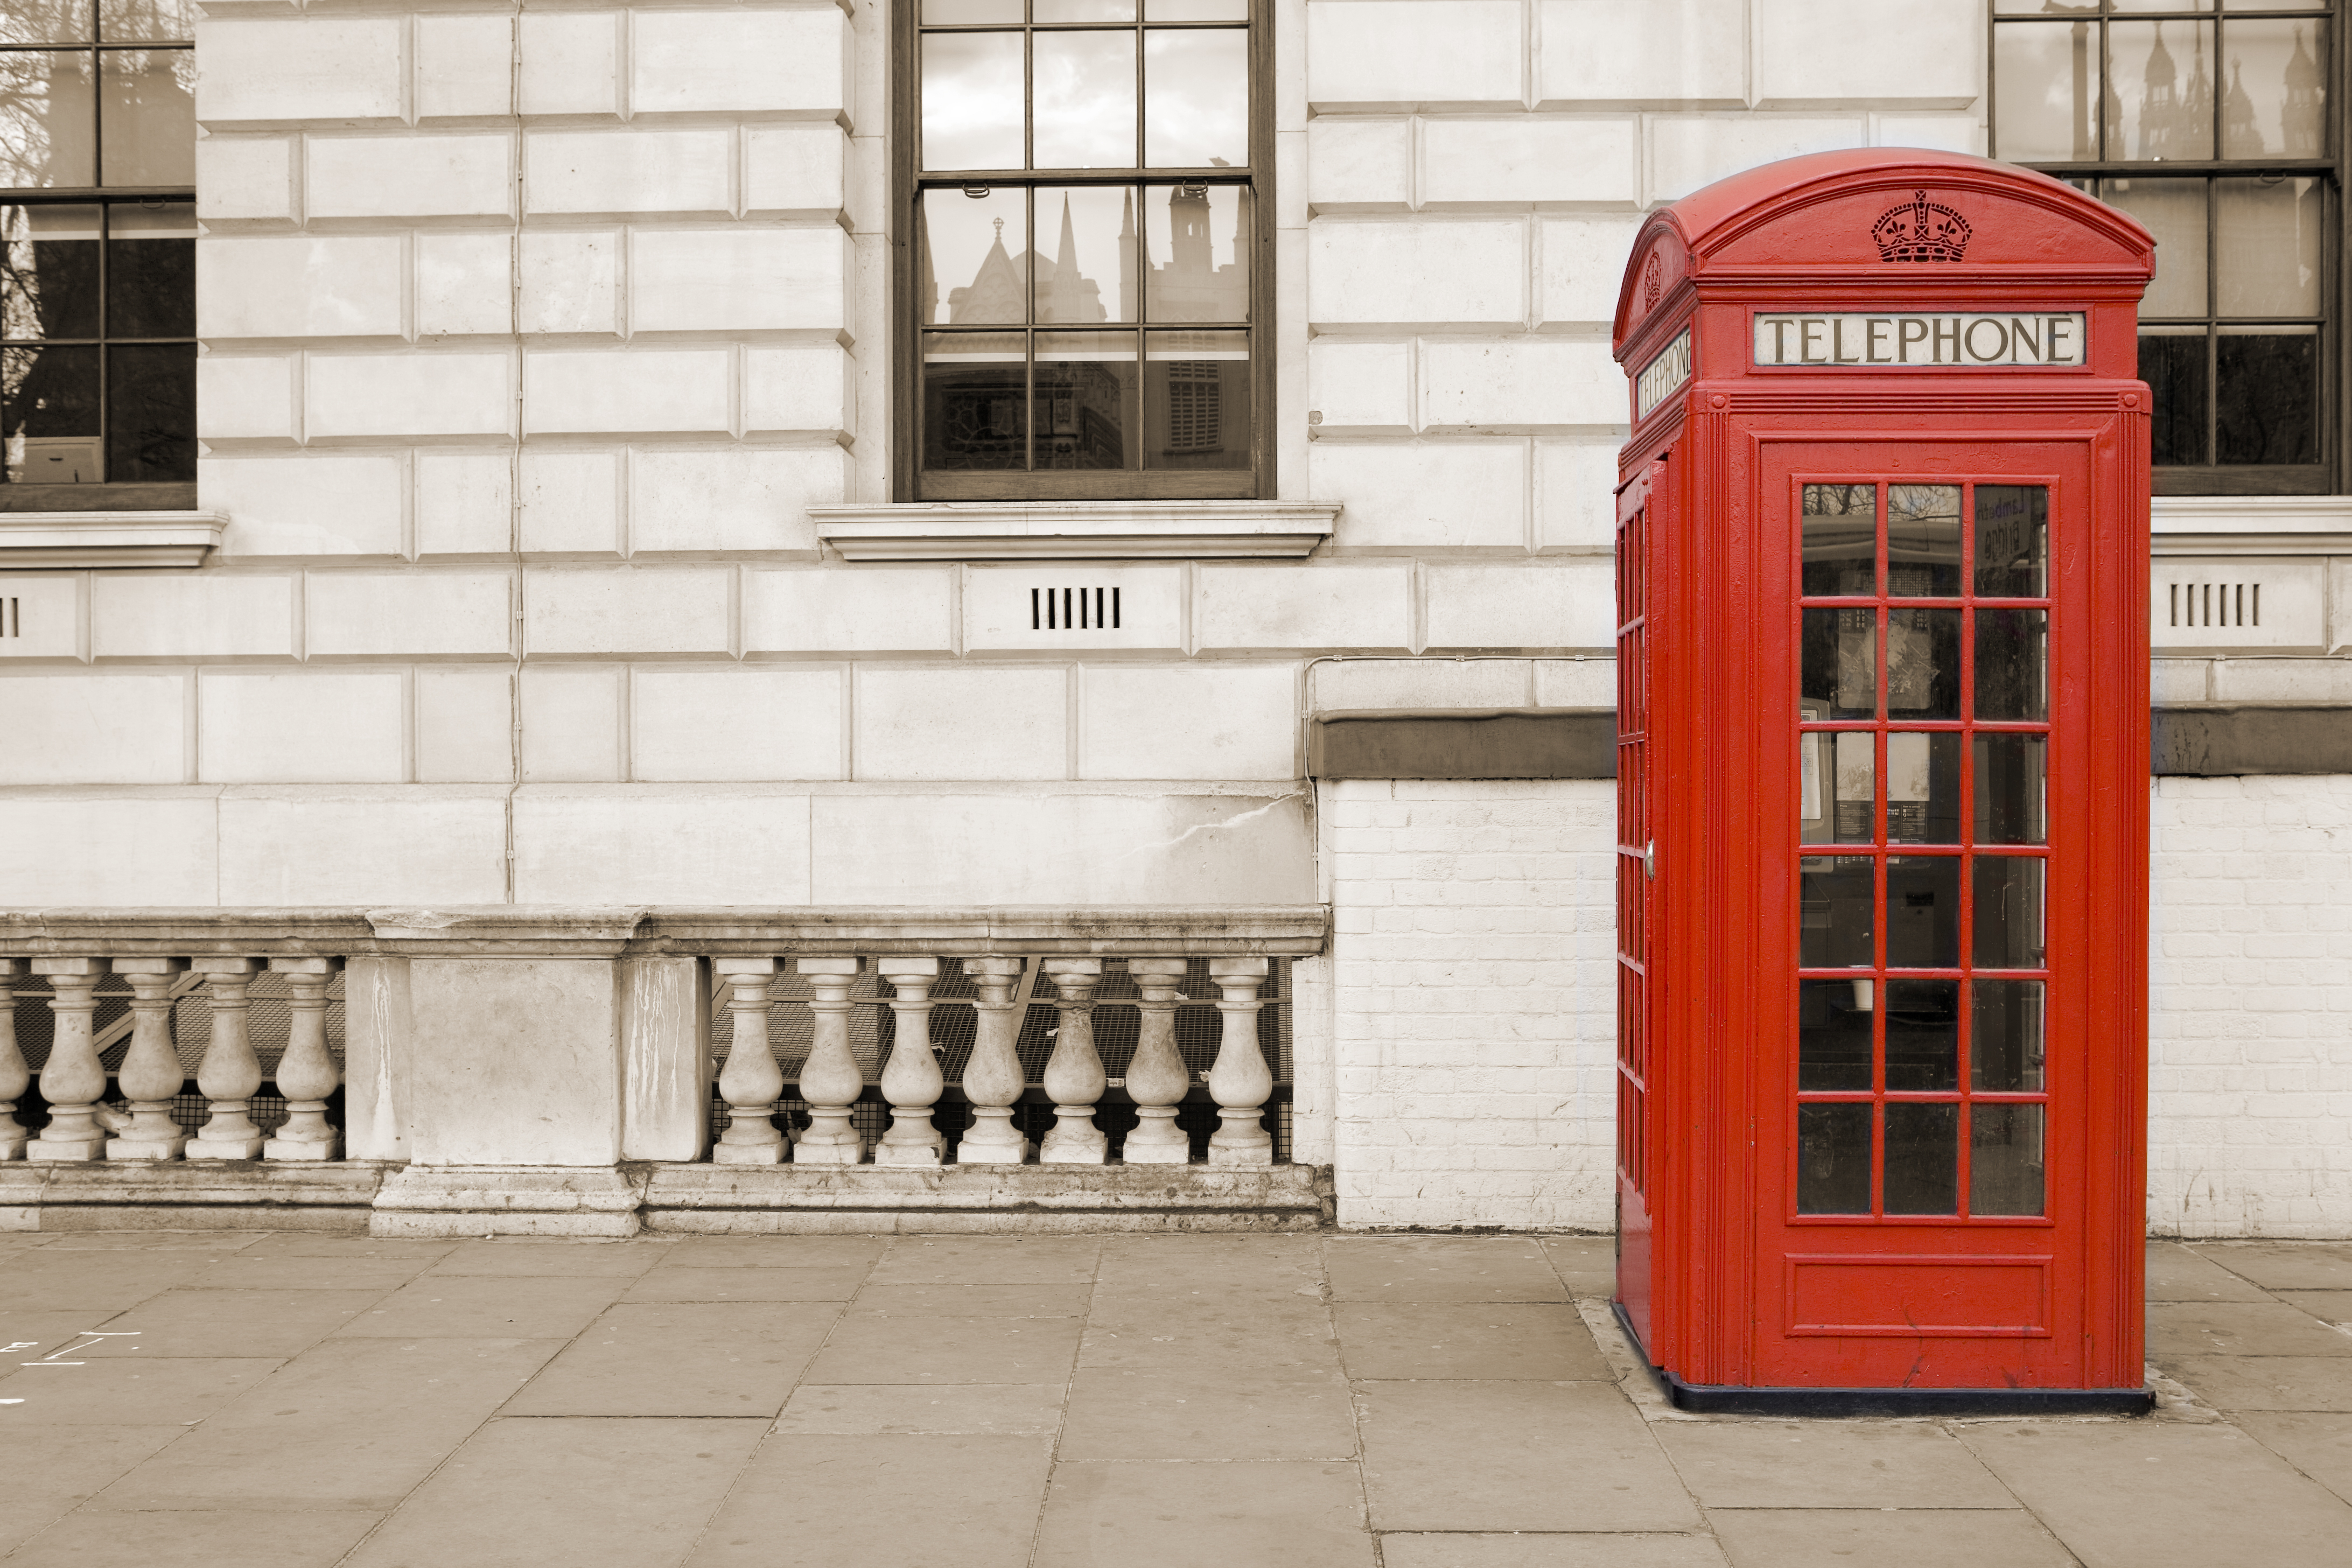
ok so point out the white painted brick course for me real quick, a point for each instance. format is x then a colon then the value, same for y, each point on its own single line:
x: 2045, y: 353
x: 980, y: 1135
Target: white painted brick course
x: 737, y: 498
x: 1554, y: 605
x: 245, y: 177
x: 1666, y: 54
x: 1527, y: 384
x: 299, y: 286
x: 572, y: 726
x: 627, y: 609
x: 464, y: 725
x: 305, y: 505
x: 970, y: 722
x: 99, y: 847
x: 1810, y: 52
x: 1576, y: 502
x: 419, y: 615
x: 1430, y: 495
x: 1427, y: 53
x: 794, y: 169
x: 364, y: 847
x: 571, y: 502
x: 1963, y: 132
x: 1353, y: 684
x: 572, y: 62
x: 1689, y: 152
x: 800, y: 390
x: 409, y: 394
x: 738, y: 280
x: 1359, y: 163
x: 89, y: 729
x: 214, y: 615
x: 856, y: 609
x: 1430, y: 274
x: 1304, y: 606
x: 315, y: 68
x: 465, y: 503
x: 301, y: 727
x: 735, y: 725
x: 1583, y: 264
x: 1589, y: 682
x: 740, y: 61
x: 465, y: 66
x: 1359, y: 386
x: 1529, y: 161
x: 1203, y: 721
x: 465, y: 284
x: 245, y: 397
x: 469, y: 175
x: 662, y: 845
x: 570, y: 281
x: 2312, y: 680
x: 632, y: 171
x: 627, y: 391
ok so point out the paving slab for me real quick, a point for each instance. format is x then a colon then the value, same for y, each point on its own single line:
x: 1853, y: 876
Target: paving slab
x: 681, y: 1358
x: 462, y: 1306
x: 521, y: 1257
x: 129, y: 1393
x: 1148, y: 1266
x: 1546, y: 1340
x: 155, y: 1243
x: 1268, y: 1337
x: 2180, y: 1329
x: 777, y: 1251
x: 2328, y: 1306
x: 1522, y: 1551
x: 230, y: 1323
x: 1494, y: 1456
x: 88, y: 1540
x: 2268, y: 1382
x: 1440, y: 1269
x: 2285, y: 1265
x: 877, y: 1409
x: 972, y: 1301
x: 989, y: 1260
x: 2180, y: 1273
x: 1920, y: 1538
x: 49, y: 1471
x: 354, y: 1423
x: 1587, y: 1265
x: 1268, y: 1515
x: 54, y: 1280
x: 2319, y: 1444
x: 894, y: 1501
x: 1873, y: 1464
x: 311, y: 1244
x: 1206, y: 1415
x: 28, y: 1335
x: 949, y: 1350
x: 2149, y: 1494
x: 383, y: 1272
x: 567, y: 1493
x: 665, y: 1282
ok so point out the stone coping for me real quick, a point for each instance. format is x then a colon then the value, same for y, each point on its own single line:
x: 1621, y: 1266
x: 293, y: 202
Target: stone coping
x: 56, y: 540
x: 1299, y: 930
x: 1076, y: 531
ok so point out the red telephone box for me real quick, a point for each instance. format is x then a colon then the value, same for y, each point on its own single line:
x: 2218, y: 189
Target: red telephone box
x: 1883, y: 768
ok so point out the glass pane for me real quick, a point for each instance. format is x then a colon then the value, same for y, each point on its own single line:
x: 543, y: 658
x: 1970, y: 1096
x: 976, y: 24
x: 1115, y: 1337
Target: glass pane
x: 2012, y: 675
x: 2159, y: 91
x: 2005, y: 1162
x: 2276, y: 101
x: 1089, y: 272
x: 967, y: 13
x: 150, y: 272
x: 2045, y: 76
x: 1085, y: 400
x: 1923, y: 1035
x: 45, y: 22
x: 975, y: 401
x: 1840, y: 663
x: 2012, y: 540
x: 49, y: 286
x: 1196, y: 99
x: 48, y: 120
x: 2012, y: 780
x: 147, y: 117
x: 1852, y: 814
x: 2266, y: 254
x: 1840, y: 528
x: 2172, y: 362
x: 1922, y: 542
x: 1197, y: 389
x: 977, y: 248
x: 2130, y: 5
x: 1923, y: 1159
x: 144, y: 21
x: 2008, y: 912
x: 2005, y: 1036
x: 1923, y: 664
x: 49, y: 416
x: 1923, y: 787
x: 1923, y: 911
x: 151, y: 413
x: 1833, y: 1158
x: 972, y: 100
x: 1195, y: 245
x: 1833, y: 1034
x: 1086, y: 101
x: 1836, y: 908
x: 2268, y: 378
x: 1196, y: 10
x: 1048, y: 11
x: 2173, y: 211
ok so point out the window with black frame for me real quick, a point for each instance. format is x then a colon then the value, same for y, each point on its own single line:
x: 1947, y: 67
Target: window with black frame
x: 1082, y: 193
x: 98, y: 307
x: 2208, y: 122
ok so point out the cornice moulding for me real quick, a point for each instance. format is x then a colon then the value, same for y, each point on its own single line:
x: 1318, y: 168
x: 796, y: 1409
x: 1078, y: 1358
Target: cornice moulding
x: 1077, y: 531
x: 2251, y: 525
x: 63, y: 541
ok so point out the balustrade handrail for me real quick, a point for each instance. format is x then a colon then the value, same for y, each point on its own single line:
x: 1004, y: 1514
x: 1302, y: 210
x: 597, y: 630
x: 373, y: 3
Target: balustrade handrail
x: 1274, y: 931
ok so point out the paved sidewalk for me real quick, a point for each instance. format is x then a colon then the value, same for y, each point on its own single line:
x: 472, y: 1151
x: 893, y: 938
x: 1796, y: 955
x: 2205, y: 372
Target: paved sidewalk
x: 291, y: 1401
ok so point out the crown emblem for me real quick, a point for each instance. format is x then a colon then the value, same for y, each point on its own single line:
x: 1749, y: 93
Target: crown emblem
x: 1653, y: 279
x: 1920, y: 230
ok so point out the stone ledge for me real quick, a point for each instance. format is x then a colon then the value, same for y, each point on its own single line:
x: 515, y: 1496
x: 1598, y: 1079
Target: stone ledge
x: 223, y: 1195
x: 799, y: 1199
x: 1077, y: 531
x: 59, y: 540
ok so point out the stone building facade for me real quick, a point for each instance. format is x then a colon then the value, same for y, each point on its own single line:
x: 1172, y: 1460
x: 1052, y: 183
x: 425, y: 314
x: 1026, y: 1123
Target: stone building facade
x: 558, y: 551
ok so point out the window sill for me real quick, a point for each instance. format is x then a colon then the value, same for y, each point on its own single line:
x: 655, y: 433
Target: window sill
x: 58, y: 541
x: 1077, y: 531
x: 2252, y: 525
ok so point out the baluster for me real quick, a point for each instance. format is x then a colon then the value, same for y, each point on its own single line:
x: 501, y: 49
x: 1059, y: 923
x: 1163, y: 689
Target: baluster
x: 830, y: 1079
x: 151, y: 1073
x: 73, y: 1080
x: 230, y: 1072
x: 306, y: 1073
x: 14, y: 1073
x: 751, y: 1082
x: 1157, y: 1077
x: 1240, y: 1081
x: 910, y: 1079
x: 991, y: 1079
x: 1074, y: 1073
